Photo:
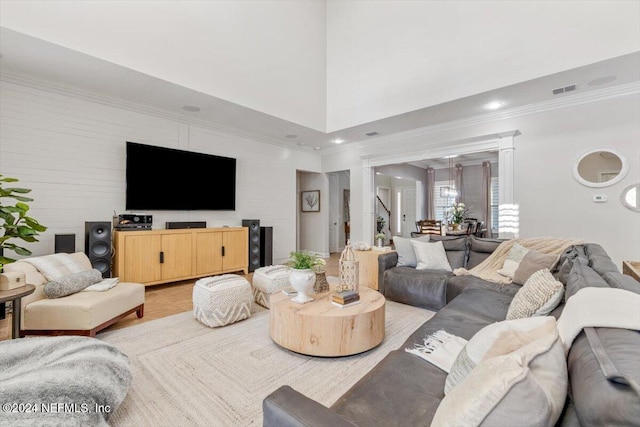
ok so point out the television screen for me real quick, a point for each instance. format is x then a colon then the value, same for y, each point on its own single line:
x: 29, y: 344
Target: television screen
x: 168, y: 179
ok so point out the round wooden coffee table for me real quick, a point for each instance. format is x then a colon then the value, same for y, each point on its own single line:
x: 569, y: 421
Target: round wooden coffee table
x: 319, y: 328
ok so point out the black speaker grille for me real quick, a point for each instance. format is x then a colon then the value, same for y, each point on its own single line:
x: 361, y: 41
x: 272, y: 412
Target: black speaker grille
x: 254, y: 242
x: 97, y: 245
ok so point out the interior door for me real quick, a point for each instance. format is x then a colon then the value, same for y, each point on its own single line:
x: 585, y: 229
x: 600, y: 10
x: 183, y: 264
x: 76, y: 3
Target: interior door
x: 408, y: 211
x: 334, y: 213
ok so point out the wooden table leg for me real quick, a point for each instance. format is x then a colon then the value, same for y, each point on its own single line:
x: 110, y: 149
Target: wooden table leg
x: 17, y: 307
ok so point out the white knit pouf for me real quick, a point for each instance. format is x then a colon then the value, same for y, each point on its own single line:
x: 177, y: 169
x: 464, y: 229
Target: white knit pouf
x: 221, y: 300
x: 269, y: 280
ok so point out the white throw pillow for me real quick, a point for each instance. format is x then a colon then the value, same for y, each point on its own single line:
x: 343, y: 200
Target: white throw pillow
x: 524, y: 387
x: 487, y: 343
x: 540, y: 294
x: 431, y: 256
x: 406, y: 253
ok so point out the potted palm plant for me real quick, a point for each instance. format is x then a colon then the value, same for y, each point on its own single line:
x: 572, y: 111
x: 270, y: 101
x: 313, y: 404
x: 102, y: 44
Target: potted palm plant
x: 15, y: 222
x: 302, y: 275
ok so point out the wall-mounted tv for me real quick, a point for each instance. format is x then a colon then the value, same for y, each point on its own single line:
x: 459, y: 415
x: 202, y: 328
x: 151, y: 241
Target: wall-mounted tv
x: 161, y: 178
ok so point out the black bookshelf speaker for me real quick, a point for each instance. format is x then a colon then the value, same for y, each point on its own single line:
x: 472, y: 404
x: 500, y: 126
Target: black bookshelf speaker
x: 254, y: 242
x: 65, y: 243
x: 266, y: 246
x: 97, y: 245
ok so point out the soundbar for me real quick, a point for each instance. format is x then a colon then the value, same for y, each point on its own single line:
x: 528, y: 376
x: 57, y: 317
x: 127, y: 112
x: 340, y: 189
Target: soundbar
x: 185, y: 224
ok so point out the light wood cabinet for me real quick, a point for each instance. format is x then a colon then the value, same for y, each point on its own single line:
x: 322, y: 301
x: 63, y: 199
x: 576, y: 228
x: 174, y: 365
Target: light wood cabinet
x: 159, y: 256
x: 368, y: 267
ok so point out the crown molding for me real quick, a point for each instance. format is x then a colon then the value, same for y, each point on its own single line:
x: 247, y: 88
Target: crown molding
x: 86, y: 95
x: 539, y: 107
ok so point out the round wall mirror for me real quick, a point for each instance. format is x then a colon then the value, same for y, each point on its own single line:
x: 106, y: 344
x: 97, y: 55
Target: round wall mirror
x: 600, y: 168
x: 629, y: 197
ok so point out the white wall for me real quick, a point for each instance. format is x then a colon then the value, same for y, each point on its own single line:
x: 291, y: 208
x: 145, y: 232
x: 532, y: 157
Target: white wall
x: 552, y: 202
x: 71, y: 153
x: 314, y: 226
x: 260, y: 54
x: 383, y: 57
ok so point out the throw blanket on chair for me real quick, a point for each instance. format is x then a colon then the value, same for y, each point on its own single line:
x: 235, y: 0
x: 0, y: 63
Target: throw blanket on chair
x: 488, y: 269
x: 76, y: 381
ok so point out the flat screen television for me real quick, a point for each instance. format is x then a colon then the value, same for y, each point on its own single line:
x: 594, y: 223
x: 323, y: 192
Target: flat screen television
x: 161, y: 178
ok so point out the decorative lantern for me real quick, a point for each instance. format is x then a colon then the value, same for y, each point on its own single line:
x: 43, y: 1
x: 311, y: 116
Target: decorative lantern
x: 349, y: 270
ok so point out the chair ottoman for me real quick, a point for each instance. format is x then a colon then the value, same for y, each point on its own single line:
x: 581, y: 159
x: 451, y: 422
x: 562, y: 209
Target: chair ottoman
x: 222, y: 300
x: 269, y: 280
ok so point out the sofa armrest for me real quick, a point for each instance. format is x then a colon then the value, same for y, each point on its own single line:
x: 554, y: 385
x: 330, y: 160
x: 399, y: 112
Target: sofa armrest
x: 285, y: 407
x: 385, y: 261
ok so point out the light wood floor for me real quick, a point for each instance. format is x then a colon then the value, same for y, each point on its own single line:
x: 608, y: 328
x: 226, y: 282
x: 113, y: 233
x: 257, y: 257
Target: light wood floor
x: 165, y: 300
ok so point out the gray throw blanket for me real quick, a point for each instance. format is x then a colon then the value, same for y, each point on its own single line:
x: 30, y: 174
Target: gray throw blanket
x: 70, y: 381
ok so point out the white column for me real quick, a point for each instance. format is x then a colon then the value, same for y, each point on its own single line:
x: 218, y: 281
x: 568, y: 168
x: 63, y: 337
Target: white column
x: 508, y: 209
x: 368, y: 205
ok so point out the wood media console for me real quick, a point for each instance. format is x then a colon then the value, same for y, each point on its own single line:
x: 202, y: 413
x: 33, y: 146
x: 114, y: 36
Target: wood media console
x: 153, y: 257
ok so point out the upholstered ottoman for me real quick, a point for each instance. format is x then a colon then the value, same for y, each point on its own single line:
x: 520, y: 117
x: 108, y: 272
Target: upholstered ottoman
x: 221, y: 300
x: 269, y: 280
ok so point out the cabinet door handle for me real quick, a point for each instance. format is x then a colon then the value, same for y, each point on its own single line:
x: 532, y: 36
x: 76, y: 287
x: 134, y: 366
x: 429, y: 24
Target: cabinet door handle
x: 223, y: 251
x: 161, y: 257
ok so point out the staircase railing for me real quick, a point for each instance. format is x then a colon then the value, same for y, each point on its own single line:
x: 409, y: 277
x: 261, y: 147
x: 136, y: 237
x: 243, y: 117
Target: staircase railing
x: 387, y: 210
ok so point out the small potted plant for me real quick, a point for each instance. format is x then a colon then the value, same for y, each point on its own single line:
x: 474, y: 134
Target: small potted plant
x: 380, y: 239
x: 302, y: 276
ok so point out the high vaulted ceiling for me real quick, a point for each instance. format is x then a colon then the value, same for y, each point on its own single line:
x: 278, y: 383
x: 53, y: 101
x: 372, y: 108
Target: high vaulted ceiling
x: 305, y: 73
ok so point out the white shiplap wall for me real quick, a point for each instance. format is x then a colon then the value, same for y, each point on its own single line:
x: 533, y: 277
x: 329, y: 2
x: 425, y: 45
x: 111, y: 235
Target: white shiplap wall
x: 71, y: 152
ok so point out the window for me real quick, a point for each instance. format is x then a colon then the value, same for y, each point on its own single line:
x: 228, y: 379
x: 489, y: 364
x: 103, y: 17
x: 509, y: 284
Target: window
x: 441, y: 204
x: 495, y: 198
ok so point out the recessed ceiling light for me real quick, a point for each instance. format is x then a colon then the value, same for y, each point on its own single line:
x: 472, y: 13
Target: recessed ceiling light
x: 301, y: 144
x: 317, y: 148
x: 378, y: 173
x: 374, y: 133
x: 494, y: 105
x: 453, y: 156
x: 291, y: 136
x: 191, y: 108
x: 337, y: 141
x: 398, y: 177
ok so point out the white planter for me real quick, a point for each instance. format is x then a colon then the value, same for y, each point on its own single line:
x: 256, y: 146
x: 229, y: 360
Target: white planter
x: 302, y: 281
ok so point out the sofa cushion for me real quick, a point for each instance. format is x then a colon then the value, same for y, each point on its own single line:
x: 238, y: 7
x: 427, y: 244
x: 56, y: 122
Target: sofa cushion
x: 456, y: 248
x: 82, y: 310
x: 495, y: 392
x: 538, y: 297
x: 457, y: 284
x: 480, y: 249
x: 598, y: 259
x: 387, y: 395
x: 622, y: 281
x: 582, y: 276
x: 406, y: 252
x: 604, y: 372
x: 72, y: 283
x: 420, y: 288
x: 531, y: 262
x: 495, y: 340
x: 431, y: 256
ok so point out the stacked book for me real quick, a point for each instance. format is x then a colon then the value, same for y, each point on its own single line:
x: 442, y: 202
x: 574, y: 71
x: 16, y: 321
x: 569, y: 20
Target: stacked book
x: 345, y: 298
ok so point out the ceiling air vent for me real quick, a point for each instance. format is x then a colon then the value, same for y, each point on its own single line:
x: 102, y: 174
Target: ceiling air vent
x: 371, y: 133
x: 564, y: 89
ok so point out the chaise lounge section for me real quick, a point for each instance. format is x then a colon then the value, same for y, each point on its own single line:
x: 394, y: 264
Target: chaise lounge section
x: 81, y: 313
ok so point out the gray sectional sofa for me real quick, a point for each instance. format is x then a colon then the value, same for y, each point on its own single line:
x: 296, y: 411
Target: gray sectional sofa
x: 404, y: 390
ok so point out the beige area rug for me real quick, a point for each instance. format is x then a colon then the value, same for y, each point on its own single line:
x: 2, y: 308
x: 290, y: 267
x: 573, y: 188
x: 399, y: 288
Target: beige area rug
x: 186, y: 374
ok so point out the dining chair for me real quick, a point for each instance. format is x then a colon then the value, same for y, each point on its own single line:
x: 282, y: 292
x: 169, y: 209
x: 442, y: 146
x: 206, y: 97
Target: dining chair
x: 429, y: 226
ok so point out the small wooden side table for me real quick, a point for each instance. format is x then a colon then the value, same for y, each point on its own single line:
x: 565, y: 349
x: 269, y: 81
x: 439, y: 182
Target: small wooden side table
x: 16, y: 295
x: 368, y: 267
x: 631, y: 268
